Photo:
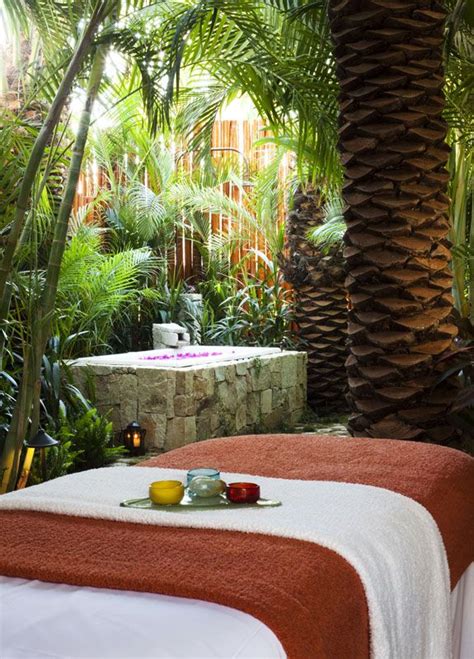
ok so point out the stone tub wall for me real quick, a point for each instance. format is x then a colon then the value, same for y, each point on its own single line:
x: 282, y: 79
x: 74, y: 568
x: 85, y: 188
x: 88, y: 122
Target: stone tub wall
x: 178, y: 406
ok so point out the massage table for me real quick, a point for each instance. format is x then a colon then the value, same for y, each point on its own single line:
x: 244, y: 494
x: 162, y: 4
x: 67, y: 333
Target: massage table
x: 50, y: 606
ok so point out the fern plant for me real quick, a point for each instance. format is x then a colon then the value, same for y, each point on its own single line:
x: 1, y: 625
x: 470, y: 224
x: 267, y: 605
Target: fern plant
x: 95, y: 287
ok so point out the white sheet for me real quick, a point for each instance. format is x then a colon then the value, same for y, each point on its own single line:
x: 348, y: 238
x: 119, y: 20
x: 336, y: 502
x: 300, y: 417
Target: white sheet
x: 462, y: 613
x: 43, y: 620
x: 392, y: 541
x: 39, y: 620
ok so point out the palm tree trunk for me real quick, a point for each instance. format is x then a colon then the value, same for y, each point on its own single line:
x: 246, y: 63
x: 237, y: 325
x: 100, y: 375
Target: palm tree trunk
x: 392, y: 139
x: 30, y: 387
x: 320, y: 304
x: 82, y: 51
x: 62, y: 222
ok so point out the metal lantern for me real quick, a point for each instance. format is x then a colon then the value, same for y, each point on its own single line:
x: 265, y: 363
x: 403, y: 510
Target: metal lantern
x: 41, y: 441
x: 134, y: 438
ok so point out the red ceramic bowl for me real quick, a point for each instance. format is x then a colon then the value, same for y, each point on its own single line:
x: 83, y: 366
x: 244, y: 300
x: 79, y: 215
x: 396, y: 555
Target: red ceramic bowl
x: 243, y: 492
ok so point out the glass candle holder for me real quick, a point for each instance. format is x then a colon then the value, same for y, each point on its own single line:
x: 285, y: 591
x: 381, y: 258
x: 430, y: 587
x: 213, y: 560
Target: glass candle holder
x: 205, y: 487
x: 209, y: 472
x: 166, y: 492
x: 243, y: 492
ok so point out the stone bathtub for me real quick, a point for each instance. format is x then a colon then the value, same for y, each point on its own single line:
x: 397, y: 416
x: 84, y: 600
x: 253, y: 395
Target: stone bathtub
x: 193, y: 393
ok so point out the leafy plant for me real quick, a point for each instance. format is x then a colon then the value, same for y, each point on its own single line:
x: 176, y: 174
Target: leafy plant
x: 459, y: 112
x: 330, y: 234
x: 175, y: 306
x: 60, y: 459
x: 460, y: 363
x: 60, y: 398
x: 91, y: 439
x: 8, y: 387
x: 85, y: 442
x: 259, y: 313
x: 132, y: 329
x: 96, y: 288
x: 64, y: 413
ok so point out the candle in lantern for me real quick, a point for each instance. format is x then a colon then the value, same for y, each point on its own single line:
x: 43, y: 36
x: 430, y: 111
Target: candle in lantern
x: 133, y: 437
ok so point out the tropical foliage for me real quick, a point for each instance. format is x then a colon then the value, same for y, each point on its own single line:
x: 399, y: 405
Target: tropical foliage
x: 459, y: 90
x: 135, y: 86
x: 55, y: 22
x: 47, y: 251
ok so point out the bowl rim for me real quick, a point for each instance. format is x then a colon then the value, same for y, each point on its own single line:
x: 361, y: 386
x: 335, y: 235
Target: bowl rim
x: 166, y: 485
x: 243, y: 486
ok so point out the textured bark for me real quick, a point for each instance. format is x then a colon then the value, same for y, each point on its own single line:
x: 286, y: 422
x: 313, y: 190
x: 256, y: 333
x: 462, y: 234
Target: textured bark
x: 389, y: 55
x: 320, y: 305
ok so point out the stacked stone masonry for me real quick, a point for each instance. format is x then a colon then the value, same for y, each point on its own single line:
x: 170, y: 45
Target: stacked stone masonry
x: 170, y: 335
x: 178, y: 406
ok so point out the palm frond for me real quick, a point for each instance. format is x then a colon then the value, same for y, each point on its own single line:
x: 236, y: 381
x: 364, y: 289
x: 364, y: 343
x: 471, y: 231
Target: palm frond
x: 150, y: 213
x: 330, y: 234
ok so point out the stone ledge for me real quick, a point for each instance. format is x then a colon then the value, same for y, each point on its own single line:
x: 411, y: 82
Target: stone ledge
x: 178, y: 406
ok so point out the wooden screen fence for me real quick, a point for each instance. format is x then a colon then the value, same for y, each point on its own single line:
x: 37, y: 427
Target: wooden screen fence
x: 236, y: 137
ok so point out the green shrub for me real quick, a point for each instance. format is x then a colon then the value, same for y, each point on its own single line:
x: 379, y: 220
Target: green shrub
x: 91, y: 439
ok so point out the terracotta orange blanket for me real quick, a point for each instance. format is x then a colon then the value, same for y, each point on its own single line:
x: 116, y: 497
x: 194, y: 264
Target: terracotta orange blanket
x: 311, y: 597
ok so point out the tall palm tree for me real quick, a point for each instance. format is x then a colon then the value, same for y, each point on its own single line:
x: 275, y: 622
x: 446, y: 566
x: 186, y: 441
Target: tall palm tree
x: 317, y: 277
x: 392, y: 78
x: 392, y: 136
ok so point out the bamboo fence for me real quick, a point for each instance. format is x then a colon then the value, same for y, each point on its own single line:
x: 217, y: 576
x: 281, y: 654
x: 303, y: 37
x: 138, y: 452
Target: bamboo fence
x: 229, y: 136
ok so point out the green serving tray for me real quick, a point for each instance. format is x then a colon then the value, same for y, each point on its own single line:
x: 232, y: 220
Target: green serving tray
x: 188, y: 503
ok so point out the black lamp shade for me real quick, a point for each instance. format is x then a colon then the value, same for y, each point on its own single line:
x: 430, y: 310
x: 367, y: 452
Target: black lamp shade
x: 134, y: 438
x: 41, y: 440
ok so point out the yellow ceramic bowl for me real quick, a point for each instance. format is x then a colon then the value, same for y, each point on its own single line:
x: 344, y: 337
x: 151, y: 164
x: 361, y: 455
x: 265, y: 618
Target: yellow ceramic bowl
x: 166, y: 492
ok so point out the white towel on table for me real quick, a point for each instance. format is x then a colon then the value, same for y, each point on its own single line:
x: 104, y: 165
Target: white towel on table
x: 392, y: 541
